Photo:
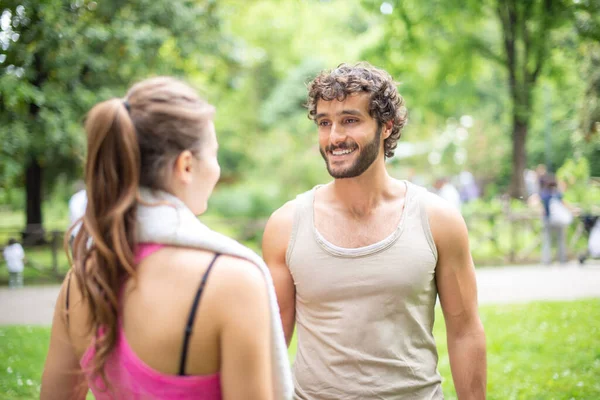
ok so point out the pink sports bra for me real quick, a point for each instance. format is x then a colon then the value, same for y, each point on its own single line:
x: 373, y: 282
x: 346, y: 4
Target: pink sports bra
x: 130, y: 378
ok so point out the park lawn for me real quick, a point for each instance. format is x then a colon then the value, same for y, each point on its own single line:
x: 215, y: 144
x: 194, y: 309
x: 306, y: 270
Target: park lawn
x: 545, y: 350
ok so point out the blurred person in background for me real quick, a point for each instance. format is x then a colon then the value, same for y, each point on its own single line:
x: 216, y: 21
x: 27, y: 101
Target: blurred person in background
x: 14, y: 255
x: 447, y: 191
x: 77, y: 206
x: 555, y: 219
x: 591, y: 225
x: 469, y: 190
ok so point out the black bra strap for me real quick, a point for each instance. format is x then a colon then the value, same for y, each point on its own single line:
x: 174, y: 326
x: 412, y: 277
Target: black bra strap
x: 190, y: 322
x: 67, y: 299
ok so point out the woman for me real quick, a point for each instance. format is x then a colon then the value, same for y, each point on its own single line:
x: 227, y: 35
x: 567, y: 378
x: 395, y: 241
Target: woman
x: 143, y: 320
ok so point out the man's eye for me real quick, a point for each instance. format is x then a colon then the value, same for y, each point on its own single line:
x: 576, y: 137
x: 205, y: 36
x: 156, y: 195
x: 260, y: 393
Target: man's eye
x: 324, y: 123
x: 351, y: 120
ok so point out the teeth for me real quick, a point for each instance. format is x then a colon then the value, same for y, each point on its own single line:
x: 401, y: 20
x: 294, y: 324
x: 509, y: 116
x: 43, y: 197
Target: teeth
x: 341, y: 152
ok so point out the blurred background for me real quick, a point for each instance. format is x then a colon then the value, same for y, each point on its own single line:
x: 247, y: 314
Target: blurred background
x: 499, y: 92
x: 494, y: 90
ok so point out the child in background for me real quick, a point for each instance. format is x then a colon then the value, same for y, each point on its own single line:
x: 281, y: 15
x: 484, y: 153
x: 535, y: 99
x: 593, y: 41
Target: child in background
x: 15, y: 258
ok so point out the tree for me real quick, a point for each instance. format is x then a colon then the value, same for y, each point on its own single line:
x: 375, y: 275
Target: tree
x: 512, y: 34
x: 588, y: 26
x: 59, y: 57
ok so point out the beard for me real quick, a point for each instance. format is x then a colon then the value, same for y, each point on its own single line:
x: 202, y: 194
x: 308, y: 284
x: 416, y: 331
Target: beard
x: 363, y: 161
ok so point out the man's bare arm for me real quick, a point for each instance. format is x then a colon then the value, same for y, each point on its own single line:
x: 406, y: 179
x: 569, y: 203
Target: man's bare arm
x: 274, y: 247
x: 457, y: 288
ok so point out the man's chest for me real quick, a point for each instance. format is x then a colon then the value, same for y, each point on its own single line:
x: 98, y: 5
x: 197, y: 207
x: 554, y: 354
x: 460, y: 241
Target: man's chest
x: 347, y: 232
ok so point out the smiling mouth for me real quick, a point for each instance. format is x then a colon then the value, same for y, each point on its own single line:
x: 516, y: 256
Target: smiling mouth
x: 341, y: 152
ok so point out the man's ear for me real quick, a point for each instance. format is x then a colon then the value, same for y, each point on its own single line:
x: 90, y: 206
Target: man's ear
x: 387, y: 129
x: 182, y: 169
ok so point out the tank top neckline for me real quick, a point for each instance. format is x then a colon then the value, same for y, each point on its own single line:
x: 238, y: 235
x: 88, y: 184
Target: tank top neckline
x: 354, y: 252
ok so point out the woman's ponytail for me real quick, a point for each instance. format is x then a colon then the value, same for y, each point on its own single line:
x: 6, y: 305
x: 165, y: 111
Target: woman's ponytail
x: 103, y: 250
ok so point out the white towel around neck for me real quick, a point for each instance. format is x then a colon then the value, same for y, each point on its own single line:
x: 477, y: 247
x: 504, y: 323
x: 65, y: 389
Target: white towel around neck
x: 167, y: 220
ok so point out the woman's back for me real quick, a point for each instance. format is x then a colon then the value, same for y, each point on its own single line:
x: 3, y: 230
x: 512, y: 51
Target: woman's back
x: 156, y: 309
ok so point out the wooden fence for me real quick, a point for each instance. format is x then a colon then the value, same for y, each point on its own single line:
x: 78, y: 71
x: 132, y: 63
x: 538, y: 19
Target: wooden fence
x: 516, y: 237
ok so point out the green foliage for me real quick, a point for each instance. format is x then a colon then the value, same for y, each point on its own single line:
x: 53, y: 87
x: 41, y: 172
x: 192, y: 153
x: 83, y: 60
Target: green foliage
x: 576, y: 175
x: 63, y: 57
x: 289, y: 96
x: 246, y: 200
x: 587, y: 14
x: 495, y: 55
x: 253, y: 59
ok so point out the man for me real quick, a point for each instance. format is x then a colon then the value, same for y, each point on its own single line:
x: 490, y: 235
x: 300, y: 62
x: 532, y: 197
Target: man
x: 358, y: 263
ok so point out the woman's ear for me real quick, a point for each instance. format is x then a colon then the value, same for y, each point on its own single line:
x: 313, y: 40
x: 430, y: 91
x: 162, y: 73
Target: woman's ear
x: 182, y: 170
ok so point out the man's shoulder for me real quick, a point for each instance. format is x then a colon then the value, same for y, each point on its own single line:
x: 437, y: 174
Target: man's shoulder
x: 411, y: 185
x: 288, y: 209
x: 278, y: 229
x: 418, y: 192
x: 280, y: 223
x: 445, y: 219
x: 437, y: 207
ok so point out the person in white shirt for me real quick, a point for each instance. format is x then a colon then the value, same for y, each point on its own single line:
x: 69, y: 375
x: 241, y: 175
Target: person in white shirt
x: 15, y: 258
x: 77, y: 205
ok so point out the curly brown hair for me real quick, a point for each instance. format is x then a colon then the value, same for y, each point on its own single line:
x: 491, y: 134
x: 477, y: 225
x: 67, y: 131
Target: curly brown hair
x: 385, y: 103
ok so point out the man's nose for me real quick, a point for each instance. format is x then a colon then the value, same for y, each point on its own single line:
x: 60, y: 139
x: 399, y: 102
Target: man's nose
x: 337, y: 134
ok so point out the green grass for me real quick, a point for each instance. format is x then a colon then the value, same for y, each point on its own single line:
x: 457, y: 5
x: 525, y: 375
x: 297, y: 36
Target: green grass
x: 547, y: 350
x: 22, y: 355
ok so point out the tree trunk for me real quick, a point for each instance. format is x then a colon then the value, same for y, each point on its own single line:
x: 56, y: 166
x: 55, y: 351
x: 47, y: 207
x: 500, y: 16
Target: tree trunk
x: 519, y: 158
x: 34, y: 231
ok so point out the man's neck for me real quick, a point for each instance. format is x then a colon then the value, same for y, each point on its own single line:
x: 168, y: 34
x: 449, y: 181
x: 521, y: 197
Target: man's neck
x: 361, y: 195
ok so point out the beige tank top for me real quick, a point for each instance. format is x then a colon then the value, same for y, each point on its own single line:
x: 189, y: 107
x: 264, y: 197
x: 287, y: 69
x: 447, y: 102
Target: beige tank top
x: 364, y: 316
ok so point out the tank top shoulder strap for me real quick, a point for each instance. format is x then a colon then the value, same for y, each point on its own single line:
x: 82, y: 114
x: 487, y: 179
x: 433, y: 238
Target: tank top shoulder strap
x: 192, y: 316
x: 419, y: 200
